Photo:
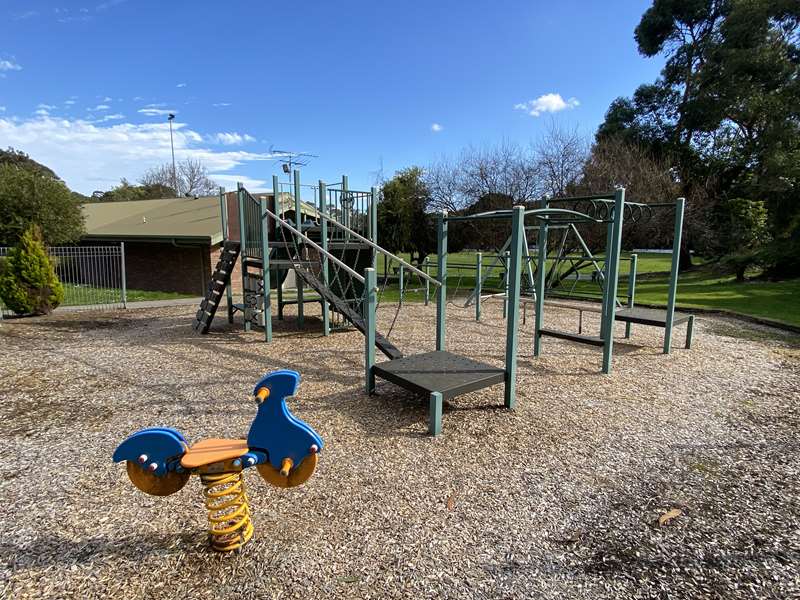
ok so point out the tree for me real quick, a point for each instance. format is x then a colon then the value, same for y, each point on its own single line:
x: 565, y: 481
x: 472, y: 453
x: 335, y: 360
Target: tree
x: 126, y: 192
x: 28, y: 281
x: 559, y: 157
x: 403, y: 220
x: 30, y: 197
x: 727, y: 105
x: 18, y: 158
x: 190, y: 178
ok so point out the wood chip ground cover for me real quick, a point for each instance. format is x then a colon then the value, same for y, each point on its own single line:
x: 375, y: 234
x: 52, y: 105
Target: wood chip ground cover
x: 560, y: 498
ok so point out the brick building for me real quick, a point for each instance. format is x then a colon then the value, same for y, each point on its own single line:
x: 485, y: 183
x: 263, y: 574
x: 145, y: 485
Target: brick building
x: 170, y: 244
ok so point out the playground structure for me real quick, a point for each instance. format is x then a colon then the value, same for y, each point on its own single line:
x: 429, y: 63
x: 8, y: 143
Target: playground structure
x: 283, y: 449
x: 330, y: 243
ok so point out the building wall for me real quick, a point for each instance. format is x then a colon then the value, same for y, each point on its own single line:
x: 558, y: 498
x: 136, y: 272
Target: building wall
x: 167, y: 268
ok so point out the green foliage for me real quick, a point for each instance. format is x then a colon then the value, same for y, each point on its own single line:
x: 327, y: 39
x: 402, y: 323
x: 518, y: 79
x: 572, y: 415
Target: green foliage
x: 28, y: 282
x: 125, y: 192
x: 29, y: 197
x: 18, y: 158
x: 725, y: 109
x: 403, y: 221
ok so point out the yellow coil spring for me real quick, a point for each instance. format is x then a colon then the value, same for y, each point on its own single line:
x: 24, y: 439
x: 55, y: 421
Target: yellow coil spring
x: 229, y: 524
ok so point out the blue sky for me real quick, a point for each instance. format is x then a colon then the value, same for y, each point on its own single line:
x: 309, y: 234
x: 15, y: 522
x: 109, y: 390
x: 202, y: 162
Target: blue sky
x: 84, y: 87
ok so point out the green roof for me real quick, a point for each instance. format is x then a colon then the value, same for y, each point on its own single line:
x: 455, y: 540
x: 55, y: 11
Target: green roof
x: 187, y: 219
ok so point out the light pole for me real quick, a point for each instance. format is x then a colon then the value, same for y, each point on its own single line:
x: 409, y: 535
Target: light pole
x: 172, y: 145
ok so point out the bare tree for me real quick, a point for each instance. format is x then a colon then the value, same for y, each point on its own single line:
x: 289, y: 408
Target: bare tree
x: 560, y: 156
x: 190, y: 178
x: 443, y: 181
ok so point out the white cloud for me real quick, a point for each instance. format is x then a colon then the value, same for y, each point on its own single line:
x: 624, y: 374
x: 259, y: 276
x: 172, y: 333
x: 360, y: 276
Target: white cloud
x: 181, y: 85
x: 2, y: 109
x: 220, y: 104
x: 154, y: 112
x: 42, y: 112
x: 91, y: 156
x: 43, y: 106
x: 436, y: 128
x: 114, y: 117
x: 547, y: 103
x: 107, y: 99
x: 99, y: 107
x: 229, y: 181
x: 231, y: 139
x: 69, y: 102
x: 9, y: 65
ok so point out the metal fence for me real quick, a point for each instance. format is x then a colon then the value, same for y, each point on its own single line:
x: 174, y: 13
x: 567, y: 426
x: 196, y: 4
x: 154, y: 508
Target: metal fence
x: 92, y: 276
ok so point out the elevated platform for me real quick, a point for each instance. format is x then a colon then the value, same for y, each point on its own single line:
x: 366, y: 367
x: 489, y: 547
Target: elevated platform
x: 439, y: 376
x: 655, y: 317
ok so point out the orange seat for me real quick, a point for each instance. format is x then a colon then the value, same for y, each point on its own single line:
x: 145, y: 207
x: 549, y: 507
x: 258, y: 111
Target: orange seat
x: 207, y: 452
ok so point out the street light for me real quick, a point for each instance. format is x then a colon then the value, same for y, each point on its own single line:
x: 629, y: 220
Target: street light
x: 170, y: 117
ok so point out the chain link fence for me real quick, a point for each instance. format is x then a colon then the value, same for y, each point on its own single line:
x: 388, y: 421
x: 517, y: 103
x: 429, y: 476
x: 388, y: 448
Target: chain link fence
x: 92, y: 276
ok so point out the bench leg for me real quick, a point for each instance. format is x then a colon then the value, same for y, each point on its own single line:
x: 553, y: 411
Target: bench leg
x: 435, y: 414
x: 580, y: 322
x: 689, y: 331
x: 628, y: 330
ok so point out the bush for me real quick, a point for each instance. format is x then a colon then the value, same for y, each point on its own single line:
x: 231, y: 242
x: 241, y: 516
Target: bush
x: 28, y: 282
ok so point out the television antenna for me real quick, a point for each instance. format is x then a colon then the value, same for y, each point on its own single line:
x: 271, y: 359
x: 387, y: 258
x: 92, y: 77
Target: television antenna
x: 290, y: 159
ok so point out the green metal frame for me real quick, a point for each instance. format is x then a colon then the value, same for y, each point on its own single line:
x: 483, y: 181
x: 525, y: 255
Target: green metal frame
x: 243, y: 255
x: 370, y: 304
x: 265, y: 274
x: 298, y: 217
x: 441, y: 277
x: 326, y: 315
x: 223, y: 210
x: 512, y: 296
x: 673, y: 276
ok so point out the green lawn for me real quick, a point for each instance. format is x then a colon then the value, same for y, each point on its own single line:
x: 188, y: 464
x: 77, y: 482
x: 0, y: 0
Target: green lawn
x: 77, y: 295
x: 699, y: 288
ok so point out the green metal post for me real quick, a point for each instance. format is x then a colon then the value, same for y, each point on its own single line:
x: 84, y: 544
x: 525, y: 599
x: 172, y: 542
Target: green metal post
x: 402, y: 274
x: 506, y: 279
x: 223, y: 211
x: 441, y: 276
x: 612, y: 279
x: 631, y: 291
x: 298, y: 217
x: 326, y: 316
x: 689, y: 329
x: 345, y: 214
x: 478, y: 278
x: 673, y: 274
x: 426, y: 265
x: 265, y: 278
x: 606, y: 266
x: 435, y: 414
x: 513, y: 294
x: 276, y: 192
x: 242, y: 255
x: 541, y: 268
x: 373, y: 224
x: 370, y: 288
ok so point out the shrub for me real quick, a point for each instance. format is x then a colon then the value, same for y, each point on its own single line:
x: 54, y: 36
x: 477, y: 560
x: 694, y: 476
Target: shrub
x: 28, y: 282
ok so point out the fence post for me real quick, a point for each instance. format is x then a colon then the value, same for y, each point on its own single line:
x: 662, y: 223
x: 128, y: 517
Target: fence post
x: 631, y: 291
x: 441, y: 275
x: 478, y: 284
x: 276, y: 193
x: 369, y: 329
x: 265, y: 275
x: 673, y: 274
x: 242, y: 255
x: 326, y: 317
x: 124, y: 280
x: 298, y: 217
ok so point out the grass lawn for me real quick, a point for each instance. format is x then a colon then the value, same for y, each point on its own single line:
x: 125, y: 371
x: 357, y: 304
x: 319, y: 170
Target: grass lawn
x: 76, y: 295
x: 700, y: 288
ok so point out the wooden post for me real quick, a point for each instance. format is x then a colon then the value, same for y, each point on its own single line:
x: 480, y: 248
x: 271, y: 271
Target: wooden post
x: 369, y: 329
x: 673, y: 274
x: 441, y: 276
x: 265, y: 275
x: 512, y: 296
